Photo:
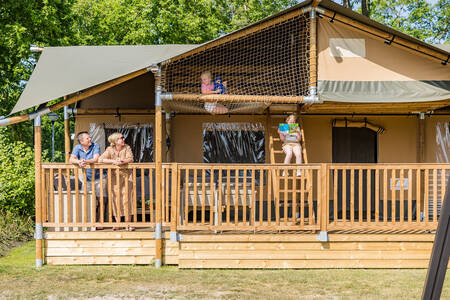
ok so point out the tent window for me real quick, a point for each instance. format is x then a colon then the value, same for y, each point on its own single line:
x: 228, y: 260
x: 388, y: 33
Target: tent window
x: 138, y: 136
x: 233, y: 143
x: 348, y: 47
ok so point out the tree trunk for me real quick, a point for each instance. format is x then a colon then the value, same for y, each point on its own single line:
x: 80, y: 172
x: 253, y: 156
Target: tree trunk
x: 365, y: 8
x: 347, y: 4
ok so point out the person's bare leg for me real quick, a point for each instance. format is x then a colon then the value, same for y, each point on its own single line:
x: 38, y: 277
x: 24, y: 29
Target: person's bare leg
x: 288, y: 151
x: 298, y: 157
x: 220, y: 109
x: 298, y: 154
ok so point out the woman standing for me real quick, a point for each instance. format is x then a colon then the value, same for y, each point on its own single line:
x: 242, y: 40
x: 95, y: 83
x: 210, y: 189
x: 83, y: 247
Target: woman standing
x: 119, y: 153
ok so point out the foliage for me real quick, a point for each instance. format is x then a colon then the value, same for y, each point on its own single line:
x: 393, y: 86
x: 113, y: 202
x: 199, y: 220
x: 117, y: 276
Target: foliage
x: 418, y: 18
x: 411, y: 17
x: 132, y: 22
x: 16, y: 178
x: 22, y: 23
x: 14, y: 229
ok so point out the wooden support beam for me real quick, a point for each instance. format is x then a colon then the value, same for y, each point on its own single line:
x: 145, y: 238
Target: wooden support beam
x: 168, y: 135
x: 66, y: 135
x: 108, y: 111
x: 313, y: 50
x: 421, y: 139
x: 37, y: 189
x: 234, y: 98
x: 78, y: 97
x: 323, y: 203
x: 158, y: 170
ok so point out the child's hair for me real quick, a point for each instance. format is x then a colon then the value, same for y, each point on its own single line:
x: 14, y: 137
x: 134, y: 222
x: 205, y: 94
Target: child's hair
x: 291, y: 116
x: 206, y: 73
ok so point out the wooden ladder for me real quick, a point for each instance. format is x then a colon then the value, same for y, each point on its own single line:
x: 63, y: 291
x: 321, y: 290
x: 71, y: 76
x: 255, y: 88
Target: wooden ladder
x: 275, y: 151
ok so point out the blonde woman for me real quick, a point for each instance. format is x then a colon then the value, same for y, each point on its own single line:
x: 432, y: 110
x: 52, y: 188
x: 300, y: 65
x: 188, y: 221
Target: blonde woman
x: 119, y: 153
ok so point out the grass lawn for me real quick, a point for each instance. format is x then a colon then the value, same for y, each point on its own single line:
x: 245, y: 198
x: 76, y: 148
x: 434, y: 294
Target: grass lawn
x: 20, y: 279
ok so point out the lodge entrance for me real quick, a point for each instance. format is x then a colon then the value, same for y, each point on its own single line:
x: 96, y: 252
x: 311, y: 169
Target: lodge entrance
x: 354, y: 145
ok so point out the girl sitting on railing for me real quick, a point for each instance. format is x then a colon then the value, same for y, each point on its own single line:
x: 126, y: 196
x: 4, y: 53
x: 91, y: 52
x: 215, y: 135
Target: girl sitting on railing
x: 208, y: 88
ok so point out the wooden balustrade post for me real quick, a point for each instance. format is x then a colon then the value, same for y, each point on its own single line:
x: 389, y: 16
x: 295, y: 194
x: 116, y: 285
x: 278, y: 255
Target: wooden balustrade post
x: 173, y: 202
x: 168, y: 137
x: 158, y: 167
x: 39, y: 233
x: 66, y: 134
x: 313, y: 52
x: 322, y: 203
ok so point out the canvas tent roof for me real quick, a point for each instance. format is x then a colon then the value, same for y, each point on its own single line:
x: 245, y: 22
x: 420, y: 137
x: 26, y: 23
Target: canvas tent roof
x: 62, y: 71
x: 66, y: 70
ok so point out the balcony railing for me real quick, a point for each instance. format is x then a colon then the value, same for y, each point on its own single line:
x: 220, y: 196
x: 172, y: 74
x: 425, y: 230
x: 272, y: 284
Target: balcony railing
x: 220, y: 197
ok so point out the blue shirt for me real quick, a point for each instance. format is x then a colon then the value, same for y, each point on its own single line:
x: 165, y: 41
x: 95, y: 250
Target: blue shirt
x: 79, y: 152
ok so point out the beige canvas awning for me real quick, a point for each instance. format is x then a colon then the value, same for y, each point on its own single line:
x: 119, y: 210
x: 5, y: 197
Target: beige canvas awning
x: 62, y: 71
x: 356, y: 67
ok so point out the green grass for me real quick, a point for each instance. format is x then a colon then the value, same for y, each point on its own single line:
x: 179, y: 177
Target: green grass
x: 14, y: 230
x: 20, y: 279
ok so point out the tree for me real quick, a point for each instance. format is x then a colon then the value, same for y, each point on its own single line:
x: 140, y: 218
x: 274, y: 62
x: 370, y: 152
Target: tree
x: 365, y: 8
x: 413, y: 17
x: 23, y: 23
x: 417, y: 18
x: 131, y: 22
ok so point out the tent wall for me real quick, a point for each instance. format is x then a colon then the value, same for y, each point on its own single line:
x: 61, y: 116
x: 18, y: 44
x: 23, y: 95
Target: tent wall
x: 398, y: 144
x: 357, y: 67
x: 82, y: 123
x: 187, y: 134
x: 135, y: 93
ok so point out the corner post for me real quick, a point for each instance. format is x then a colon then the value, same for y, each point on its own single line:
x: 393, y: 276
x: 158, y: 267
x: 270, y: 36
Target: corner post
x: 39, y: 232
x: 168, y: 137
x: 174, y: 237
x: 323, y: 203
x: 158, y: 167
x: 66, y: 134
x: 421, y: 138
x: 313, y: 52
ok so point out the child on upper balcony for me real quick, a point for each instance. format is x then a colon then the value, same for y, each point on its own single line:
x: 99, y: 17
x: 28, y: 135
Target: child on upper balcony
x: 208, y: 87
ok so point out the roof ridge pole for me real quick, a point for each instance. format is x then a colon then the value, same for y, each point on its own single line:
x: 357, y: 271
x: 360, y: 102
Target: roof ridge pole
x: 156, y: 70
x: 312, y: 97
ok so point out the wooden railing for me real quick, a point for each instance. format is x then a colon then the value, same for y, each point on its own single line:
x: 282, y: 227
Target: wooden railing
x: 220, y: 197
x: 247, y: 197
x: 386, y: 196
x: 72, y: 202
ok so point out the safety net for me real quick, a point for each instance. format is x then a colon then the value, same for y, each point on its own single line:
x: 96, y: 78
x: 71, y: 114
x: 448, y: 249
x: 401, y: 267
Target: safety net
x: 244, y: 72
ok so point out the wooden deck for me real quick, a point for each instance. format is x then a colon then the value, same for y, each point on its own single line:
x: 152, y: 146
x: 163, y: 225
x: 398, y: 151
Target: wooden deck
x: 243, y: 250
x: 248, y: 216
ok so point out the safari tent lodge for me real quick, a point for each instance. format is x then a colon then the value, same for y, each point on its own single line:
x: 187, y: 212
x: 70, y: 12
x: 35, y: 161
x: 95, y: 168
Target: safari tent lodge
x: 210, y: 190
